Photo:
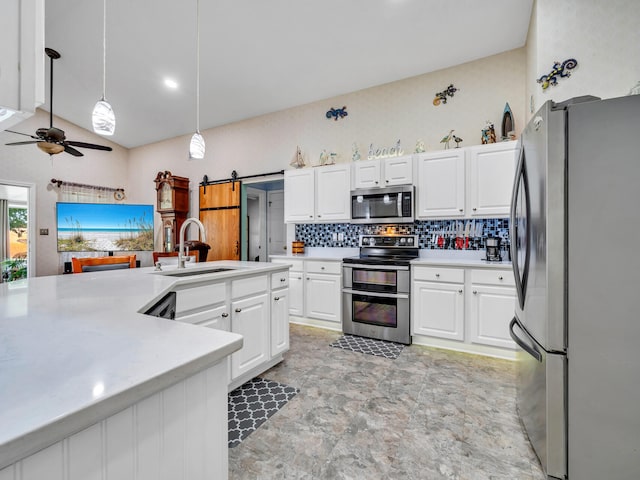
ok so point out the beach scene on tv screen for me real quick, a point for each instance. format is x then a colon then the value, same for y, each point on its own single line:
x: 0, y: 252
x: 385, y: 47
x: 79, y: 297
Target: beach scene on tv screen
x: 91, y: 227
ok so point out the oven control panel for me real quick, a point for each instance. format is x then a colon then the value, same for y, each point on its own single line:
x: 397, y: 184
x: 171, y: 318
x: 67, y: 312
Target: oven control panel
x: 389, y: 241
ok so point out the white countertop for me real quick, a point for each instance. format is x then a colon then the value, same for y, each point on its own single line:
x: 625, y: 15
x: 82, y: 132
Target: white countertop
x: 74, y: 350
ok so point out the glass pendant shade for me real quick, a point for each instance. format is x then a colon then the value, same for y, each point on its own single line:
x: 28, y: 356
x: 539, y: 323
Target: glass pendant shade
x: 103, y: 118
x: 196, y: 147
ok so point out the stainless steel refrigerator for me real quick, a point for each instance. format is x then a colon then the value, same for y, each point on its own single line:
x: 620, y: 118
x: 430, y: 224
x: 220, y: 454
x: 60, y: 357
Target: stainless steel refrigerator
x: 575, y: 220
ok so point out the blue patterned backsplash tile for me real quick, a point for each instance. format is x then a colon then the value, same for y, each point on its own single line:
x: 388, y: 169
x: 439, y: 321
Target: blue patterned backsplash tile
x: 432, y: 234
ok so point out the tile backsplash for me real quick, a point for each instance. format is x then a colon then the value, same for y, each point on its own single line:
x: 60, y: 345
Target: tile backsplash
x: 428, y: 231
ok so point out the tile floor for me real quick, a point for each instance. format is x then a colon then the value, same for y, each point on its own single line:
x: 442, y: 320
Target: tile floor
x: 429, y: 414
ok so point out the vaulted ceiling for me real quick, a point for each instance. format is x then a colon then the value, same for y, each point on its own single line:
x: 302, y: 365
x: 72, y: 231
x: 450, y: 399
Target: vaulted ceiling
x: 257, y: 56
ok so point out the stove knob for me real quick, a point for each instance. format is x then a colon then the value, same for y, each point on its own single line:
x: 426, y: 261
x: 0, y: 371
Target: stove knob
x: 365, y: 240
x: 403, y: 240
x: 410, y: 241
x: 372, y: 241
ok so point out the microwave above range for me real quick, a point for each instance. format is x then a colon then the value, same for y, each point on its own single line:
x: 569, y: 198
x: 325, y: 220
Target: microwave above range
x: 382, y: 205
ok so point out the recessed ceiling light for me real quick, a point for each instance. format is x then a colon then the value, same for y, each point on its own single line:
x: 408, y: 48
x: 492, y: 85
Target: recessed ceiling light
x: 169, y: 83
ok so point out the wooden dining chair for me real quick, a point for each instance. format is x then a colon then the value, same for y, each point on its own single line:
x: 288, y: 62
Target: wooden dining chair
x: 96, y: 264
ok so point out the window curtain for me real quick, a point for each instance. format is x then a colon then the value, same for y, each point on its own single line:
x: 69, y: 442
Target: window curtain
x: 4, y: 229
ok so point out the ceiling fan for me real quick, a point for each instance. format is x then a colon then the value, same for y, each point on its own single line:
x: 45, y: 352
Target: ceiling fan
x: 52, y: 140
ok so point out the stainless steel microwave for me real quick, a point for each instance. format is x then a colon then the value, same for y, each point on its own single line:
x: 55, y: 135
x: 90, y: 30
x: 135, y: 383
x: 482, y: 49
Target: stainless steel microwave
x: 382, y: 205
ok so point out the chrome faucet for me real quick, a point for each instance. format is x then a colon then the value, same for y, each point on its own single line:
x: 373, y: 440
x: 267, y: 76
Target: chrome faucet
x: 203, y: 236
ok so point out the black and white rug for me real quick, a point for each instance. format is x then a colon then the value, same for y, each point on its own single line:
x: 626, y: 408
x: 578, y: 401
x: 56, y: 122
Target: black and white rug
x: 379, y: 348
x: 251, y: 404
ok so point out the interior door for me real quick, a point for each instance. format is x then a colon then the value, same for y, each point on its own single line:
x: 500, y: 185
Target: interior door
x: 277, y: 230
x: 220, y: 214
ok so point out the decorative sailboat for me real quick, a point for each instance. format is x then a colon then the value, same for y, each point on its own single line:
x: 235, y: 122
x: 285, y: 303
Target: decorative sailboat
x: 298, y: 159
x: 507, y: 122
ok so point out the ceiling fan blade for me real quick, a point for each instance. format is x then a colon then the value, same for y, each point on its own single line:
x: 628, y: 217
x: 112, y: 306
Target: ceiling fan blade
x: 88, y: 145
x: 25, y: 134
x: 73, y: 151
x: 28, y: 142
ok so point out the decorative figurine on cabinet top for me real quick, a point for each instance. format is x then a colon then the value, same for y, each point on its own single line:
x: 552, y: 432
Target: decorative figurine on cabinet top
x: 355, y: 156
x: 336, y: 113
x: 420, y: 148
x: 442, y: 96
x: 507, y: 124
x: 558, y: 69
x: 298, y: 159
x: 458, y: 141
x: 447, y: 138
x: 488, y: 133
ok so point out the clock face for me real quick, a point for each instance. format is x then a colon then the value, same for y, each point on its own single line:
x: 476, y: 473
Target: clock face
x: 166, y: 197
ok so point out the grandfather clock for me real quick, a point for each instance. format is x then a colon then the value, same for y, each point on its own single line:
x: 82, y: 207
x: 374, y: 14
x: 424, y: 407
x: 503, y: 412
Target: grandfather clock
x: 172, y: 205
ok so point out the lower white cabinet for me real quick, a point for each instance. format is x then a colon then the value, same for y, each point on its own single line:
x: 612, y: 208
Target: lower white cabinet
x: 296, y: 293
x: 438, y: 310
x: 471, y: 307
x: 322, y: 297
x: 250, y: 318
x: 279, y: 321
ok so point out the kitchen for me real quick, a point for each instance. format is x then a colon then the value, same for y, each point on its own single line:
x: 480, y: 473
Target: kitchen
x: 490, y: 82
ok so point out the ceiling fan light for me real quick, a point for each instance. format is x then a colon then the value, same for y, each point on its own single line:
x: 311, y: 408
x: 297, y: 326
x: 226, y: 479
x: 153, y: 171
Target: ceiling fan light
x: 50, y: 148
x: 196, y: 147
x: 103, y: 118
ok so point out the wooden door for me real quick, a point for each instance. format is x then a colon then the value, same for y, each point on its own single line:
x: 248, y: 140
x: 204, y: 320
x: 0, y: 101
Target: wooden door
x: 220, y: 214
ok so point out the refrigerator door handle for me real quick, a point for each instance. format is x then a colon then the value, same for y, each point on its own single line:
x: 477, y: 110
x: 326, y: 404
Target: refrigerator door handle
x: 521, y: 181
x: 530, y: 349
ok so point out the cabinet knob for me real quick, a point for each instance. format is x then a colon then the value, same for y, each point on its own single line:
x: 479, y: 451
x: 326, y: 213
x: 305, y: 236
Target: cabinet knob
x: 319, y: 216
x: 474, y: 209
x: 224, y: 315
x: 238, y: 310
x: 310, y: 216
x: 460, y: 291
x: 276, y: 298
x: 475, y: 292
x: 500, y: 277
x: 321, y: 268
x: 307, y: 278
x: 437, y: 275
x: 387, y: 181
x: 460, y: 209
x: 283, y: 279
x: 376, y: 182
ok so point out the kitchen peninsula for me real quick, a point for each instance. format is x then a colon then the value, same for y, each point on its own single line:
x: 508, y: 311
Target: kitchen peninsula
x: 89, y: 384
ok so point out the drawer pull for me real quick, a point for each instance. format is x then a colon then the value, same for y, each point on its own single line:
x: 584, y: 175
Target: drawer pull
x: 475, y: 292
x: 500, y: 277
x: 238, y: 310
x: 321, y: 268
x: 224, y: 315
x: 276, y: 298
x: 460, y: 291
x: 283, y: 279
x: 437, y: 275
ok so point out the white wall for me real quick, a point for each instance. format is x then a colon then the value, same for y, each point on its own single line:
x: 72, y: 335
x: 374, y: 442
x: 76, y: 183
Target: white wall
x: 26, y: 163
x: 380, y: 115
x: 603, y: 36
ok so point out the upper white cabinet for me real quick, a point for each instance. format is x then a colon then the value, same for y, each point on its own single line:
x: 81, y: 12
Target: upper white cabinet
x: 299, y: 195
x: 317, y: 194
x: 441, y: 184
x: 21, y: 60
x: 383, y: 173
x: 491, y: 171
x: 466, y: 182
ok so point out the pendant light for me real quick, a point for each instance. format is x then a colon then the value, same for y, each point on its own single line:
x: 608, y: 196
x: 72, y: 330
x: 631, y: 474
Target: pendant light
x: 103, y: 117
x: 196, y: 147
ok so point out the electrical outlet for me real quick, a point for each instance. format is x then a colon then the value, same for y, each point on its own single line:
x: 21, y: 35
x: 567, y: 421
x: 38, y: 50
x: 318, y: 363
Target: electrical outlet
x: 341, y: 237
x: 335, y: 236
x: 44, y: 231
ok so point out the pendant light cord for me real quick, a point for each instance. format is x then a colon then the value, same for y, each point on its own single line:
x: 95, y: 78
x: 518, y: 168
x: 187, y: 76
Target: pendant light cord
x: 104, y: 49
x: 197, y: 66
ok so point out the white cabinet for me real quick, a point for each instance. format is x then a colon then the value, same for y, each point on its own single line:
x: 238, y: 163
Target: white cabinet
x: 279, y: 321
x: 299, y: 195
x: 491, y: 171
x: 441, y: 184
x: 333, y: 194
x: 22, y: 83
x: 492, y: 303
x: 322, y: 295
x: 438, y: 302
x: 250, y: 318
x: 466, y: 182
x: 296, y: 292
x: 317, y: 194
x: 383, y: 173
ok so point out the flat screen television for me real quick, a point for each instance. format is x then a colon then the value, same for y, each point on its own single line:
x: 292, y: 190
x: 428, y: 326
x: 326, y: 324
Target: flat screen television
x: 104, y: 227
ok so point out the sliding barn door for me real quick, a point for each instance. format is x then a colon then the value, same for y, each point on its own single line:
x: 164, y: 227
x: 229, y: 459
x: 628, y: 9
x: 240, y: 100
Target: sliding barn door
x: 220, y: 214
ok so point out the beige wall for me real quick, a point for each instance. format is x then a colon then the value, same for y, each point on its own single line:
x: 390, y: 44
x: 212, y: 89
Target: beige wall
x: 27, y: 163
x: 603, y: 36
x: 380, y: 115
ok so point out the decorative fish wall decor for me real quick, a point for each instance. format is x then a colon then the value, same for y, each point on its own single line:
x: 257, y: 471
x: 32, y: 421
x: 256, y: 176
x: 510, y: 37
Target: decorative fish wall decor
x: 561, y: 69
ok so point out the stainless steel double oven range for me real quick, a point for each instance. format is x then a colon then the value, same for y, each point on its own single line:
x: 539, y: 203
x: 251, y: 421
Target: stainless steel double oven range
x: 377, y: 287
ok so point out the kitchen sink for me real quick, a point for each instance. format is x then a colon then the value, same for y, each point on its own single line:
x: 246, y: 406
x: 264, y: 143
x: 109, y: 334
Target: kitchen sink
x: 200, y: 271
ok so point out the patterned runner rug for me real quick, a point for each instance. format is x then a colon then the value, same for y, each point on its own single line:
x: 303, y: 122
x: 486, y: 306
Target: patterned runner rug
x: 379, y: 348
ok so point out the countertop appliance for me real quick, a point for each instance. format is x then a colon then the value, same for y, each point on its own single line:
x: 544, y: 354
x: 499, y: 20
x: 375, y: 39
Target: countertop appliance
x: 382, y: 205
x: 576, y: 315
x: 492, y: 249
x: 377, y: 287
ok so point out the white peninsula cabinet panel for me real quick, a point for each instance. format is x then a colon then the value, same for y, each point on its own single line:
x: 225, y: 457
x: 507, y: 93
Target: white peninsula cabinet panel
x: 333, y: 194
x: 299, y: 195
x: 279, y: 313
x: 250, y: 318
x: 441, y: 184
x: 491, y: 172
x: 438, y: 302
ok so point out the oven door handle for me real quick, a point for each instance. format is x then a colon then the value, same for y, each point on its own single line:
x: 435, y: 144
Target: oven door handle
x: 375, y: 294
x: 358, y: 266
